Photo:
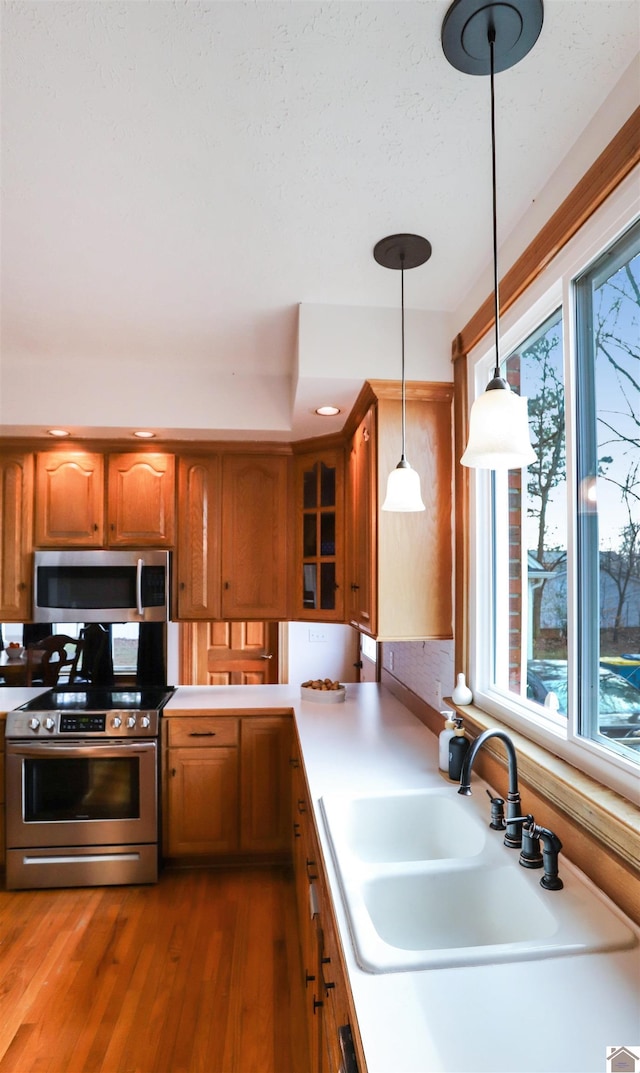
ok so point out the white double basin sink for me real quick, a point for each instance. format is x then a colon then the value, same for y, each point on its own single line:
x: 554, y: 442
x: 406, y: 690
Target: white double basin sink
x: 427, y: 884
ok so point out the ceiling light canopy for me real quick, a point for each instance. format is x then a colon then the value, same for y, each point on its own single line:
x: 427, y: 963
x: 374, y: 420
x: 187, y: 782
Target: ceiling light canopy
x: 60, y: 433
x: 402, y: 252
x: 482, y: 38
x: 142, y: 435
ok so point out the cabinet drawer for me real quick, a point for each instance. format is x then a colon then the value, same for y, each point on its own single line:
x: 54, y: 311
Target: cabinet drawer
x: 203, y: 730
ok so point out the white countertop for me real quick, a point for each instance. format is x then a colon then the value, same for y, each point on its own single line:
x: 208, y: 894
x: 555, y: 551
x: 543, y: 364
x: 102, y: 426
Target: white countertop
x: 13, y: 696
x: 557, y: 1015
x: 550, y: 1016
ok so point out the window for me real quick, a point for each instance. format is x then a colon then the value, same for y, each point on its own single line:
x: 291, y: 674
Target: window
x: 608, y: 472
x: 556, y: 636
x: 124, y: 637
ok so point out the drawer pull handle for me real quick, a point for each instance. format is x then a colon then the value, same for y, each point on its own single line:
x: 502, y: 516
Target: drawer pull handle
x: 202, y: 733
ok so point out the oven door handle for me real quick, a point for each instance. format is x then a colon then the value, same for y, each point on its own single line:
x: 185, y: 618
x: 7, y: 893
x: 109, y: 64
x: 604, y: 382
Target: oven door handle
x: 35, y: 750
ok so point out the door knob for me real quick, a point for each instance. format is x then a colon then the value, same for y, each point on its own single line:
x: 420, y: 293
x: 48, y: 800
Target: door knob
x: 268, y: 656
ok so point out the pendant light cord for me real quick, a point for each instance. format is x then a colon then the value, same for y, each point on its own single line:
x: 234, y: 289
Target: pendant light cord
x: 496, y: 300
x: 402, y: 457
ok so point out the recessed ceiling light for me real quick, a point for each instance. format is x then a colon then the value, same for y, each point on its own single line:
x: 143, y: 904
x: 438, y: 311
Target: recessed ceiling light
x: 328, y: 411
x: 144, y: 435
x: 60, y: 432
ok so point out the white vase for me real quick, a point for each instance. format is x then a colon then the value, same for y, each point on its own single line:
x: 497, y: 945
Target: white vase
x: 461, y: 693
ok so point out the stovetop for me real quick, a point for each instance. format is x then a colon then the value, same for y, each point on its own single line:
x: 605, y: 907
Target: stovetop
x: 99, y: 699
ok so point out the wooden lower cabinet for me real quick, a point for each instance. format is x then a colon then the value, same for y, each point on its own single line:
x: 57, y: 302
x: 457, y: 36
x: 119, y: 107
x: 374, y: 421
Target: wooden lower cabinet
x: 265, y: 745
x: 226, y: 786
x: 201, y: 787
x: 2, y: 806
x: 328, y: 997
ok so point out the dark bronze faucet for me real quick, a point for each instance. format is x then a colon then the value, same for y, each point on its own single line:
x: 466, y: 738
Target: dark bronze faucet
x: 513, y: 832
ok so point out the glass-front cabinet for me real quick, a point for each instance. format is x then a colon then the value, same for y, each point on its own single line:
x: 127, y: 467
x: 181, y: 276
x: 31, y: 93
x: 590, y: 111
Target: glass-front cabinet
x: 319, y: 587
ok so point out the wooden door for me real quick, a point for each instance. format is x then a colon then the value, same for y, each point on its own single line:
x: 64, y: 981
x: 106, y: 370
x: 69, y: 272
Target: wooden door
x: 141, y: 503
x: 16, y: 499
x: 69, y: 499
x: 255, y: 513
x: 229, y: 653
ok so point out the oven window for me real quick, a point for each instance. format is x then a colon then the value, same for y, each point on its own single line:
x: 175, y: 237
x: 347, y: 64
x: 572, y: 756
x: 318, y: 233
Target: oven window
x: 82, y: 789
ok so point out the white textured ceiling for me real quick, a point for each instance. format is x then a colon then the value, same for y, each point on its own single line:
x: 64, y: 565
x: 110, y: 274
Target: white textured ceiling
x: 178, y: 177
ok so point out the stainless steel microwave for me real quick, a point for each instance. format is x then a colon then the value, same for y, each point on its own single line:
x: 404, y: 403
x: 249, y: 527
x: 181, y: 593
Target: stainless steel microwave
x: 101, y: 586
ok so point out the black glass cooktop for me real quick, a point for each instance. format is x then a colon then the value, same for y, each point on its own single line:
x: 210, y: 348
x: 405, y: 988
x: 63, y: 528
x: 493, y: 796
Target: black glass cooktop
x: 88, y: 699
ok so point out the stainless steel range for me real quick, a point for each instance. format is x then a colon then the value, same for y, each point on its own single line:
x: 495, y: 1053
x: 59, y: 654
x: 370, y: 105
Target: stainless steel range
x: 82, y: 788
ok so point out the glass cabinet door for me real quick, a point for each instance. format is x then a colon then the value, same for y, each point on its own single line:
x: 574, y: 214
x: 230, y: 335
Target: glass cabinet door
x: 320, y: 492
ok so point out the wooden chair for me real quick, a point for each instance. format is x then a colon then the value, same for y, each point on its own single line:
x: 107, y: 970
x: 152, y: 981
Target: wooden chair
x: 48, y: 658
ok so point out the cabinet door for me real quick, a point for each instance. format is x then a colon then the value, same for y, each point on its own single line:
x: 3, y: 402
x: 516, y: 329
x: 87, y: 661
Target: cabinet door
x: 361, y: 588
x: 16, y: 500
x: 202, y: 801
x: 141, y: 503
x: 319, y: 519
x: 254, y: 536
x: 69, y: 499
x: 415, y: 550
x: 198, y: 553
x: 265, y: 744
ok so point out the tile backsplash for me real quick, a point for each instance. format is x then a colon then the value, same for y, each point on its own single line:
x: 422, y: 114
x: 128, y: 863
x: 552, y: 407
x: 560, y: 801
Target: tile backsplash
x: 424, y: 667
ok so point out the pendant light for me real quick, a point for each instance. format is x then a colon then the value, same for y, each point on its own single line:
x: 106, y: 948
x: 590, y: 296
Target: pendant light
x: 483, y: 38
x: 402, y: 252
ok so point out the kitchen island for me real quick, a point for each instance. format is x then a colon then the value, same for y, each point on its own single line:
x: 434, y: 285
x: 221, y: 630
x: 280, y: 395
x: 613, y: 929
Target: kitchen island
x: 538, y: 1016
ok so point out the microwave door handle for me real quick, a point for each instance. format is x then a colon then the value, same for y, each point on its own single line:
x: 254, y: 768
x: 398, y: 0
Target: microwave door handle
x: 139, y: 587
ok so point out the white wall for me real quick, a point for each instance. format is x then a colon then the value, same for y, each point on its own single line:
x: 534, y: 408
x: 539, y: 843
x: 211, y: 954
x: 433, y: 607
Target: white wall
x: 331, y: 656
x: 363, y: 343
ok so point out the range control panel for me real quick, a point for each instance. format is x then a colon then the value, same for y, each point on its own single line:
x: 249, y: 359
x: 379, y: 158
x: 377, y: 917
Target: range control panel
x: 54, y: 724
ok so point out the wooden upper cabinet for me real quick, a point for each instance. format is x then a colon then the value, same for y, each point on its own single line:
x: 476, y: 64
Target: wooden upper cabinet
x: 198, y: 561
x: 361, y: 530
x: 69, y: 499
x: 319, y: 542
x: 401, y: 583
x: 255, y: 512
x: 16, y: 511
x: 141, y: 500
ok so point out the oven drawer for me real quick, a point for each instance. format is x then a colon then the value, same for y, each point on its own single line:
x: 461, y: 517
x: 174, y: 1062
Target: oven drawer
x: 77, y: 866
x: 202, y: 730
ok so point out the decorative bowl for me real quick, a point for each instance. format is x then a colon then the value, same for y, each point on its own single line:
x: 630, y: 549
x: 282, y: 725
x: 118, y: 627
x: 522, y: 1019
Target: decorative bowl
x: 323, y: 696
x: 14, y: 651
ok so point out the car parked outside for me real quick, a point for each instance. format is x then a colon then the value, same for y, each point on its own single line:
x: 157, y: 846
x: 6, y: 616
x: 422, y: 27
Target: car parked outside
x: 619, y: 700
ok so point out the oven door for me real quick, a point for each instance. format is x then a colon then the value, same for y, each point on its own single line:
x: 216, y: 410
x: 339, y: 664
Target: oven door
x: 81, y: 793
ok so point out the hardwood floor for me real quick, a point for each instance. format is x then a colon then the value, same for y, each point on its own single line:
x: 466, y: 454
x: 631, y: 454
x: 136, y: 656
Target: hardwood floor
x: 199, y: 974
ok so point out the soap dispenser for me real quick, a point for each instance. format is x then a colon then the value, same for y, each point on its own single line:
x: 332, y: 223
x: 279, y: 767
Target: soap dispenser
x: 444, y: 738
x: 457, y: 751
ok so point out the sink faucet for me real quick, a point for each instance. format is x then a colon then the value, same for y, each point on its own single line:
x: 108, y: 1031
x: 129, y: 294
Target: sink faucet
x: 513, y: 833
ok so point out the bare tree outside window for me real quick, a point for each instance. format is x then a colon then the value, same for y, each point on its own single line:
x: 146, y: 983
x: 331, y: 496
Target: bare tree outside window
x: 617, y: 370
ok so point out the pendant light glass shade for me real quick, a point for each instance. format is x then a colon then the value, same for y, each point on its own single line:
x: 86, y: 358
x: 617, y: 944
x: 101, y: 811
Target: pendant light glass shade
x: 400, y: 252
x: 499, y: 431
x: 403, y: 489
